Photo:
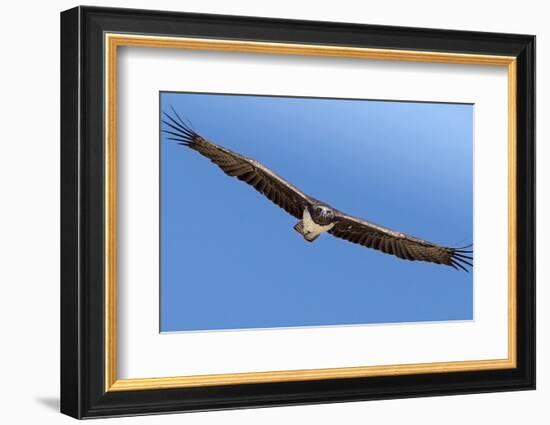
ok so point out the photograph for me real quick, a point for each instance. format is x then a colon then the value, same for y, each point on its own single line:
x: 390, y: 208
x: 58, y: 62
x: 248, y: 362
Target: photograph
x: 304, y: 211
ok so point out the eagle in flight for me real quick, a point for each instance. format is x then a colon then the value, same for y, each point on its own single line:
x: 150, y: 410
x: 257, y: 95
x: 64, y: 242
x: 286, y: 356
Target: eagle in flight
x: 315, y: 217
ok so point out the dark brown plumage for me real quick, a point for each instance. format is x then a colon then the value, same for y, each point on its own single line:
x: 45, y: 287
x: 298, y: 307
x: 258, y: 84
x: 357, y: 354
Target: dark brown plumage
x: 404, y: 246
x: 295, y: 202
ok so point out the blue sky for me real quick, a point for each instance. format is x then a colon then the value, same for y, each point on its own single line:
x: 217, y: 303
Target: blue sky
x: 230, y: 258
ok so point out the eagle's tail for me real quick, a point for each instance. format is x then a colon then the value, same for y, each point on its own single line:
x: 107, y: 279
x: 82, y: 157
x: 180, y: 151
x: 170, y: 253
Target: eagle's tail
x: 299, y: 227
x: 178, y: 129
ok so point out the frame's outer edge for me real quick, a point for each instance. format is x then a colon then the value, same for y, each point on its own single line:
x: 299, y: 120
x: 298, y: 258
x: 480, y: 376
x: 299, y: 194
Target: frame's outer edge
x: 526, y: 205
x: 71, y: 349
x: 82, y: 222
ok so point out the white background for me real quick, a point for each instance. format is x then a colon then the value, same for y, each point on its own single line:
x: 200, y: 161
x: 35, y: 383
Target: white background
x: 29, y: 172
x: 140, y: 344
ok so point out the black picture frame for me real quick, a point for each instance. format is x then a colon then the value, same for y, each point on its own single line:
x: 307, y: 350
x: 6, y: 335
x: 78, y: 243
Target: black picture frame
x: 83, y: 392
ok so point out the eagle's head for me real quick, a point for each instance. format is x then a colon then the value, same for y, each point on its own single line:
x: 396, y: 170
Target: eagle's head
x: 322, y: 215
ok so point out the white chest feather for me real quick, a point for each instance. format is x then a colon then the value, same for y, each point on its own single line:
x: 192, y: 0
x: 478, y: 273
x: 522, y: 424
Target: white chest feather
x: 312, y: 228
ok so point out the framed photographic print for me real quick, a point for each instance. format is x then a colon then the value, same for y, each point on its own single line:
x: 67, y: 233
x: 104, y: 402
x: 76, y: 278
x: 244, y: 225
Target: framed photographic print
x: 261, y: 212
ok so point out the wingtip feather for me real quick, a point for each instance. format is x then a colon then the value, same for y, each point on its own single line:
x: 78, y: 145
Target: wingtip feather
x: 462, y: 258
x: 182, y: 132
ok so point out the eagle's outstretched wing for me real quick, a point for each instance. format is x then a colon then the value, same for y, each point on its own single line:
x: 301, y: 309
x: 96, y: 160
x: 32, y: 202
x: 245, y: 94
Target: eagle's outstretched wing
x: 407, y: 247
x: 265, y: 181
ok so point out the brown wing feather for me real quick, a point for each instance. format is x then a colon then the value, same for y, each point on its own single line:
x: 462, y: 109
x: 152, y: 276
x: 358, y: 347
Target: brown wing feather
x: 257, y: 175
x: 404, y: 246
